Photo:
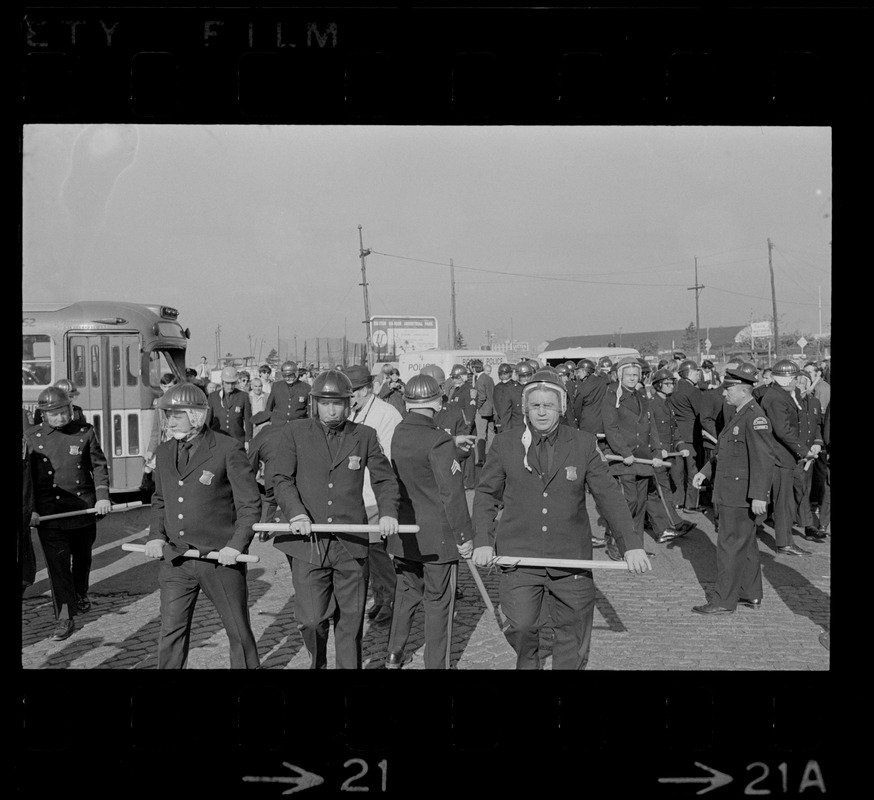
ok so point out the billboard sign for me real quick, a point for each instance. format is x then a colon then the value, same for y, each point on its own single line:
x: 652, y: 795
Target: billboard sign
x: 390, y: 336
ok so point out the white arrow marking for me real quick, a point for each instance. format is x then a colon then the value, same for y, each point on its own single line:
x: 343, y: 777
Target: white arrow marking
x: 715, y: 780
x: 306, y: 780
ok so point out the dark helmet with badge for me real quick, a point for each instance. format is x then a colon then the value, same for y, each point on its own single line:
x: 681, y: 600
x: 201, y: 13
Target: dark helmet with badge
x: 785, y: 368
x: 423, y: 391
x: 586, y: 364
x: 549, y: 379
x: 458, y: 371
x: 186, y: 397
x: 67, y: 386
x: 331, y: 384
x: 52, y: 398
x: 686, y: 367
x: 288, y: 369
x: 434, y: 371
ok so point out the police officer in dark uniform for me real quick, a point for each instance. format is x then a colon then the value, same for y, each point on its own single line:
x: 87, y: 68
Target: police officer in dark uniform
x: 206, y: 499
x: 539, y: 474
x: 231, y: 410
x: 485, y: 409
x: 464, y: 396
x: 289, y: 397
x: 261, y: 449
x: 69, y: 388
x: 432, y: 497
x: 318, y: 477
x: 744, y: 461
x: 450, y: 418
x: 507, y: 400
x: 591, y: 388
x: 784, y: 411
x: 686, y: 401
x: 69, y: 473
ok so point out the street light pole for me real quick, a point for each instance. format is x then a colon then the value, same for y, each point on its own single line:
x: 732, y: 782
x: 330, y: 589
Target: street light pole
x: 697, y: 289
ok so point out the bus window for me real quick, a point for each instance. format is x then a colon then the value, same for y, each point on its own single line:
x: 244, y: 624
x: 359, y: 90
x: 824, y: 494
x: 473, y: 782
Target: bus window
x: 79, y: 365
x: 36, y: 360
x: 95, y: 422
x: 159, y: 364
x: 116, y: 365
x: 133, y: 364
x: 116, y: 435
x: 133, y: 434
x: 95, y: 365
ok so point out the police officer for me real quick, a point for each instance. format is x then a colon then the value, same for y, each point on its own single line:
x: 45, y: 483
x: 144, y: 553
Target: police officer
x: 463, y: 395
x: 289, y: 397
x: 432, y: 497
x: 784, y: 411
x: 262, y: 448
x: 368, y: 409
x: 539, y: 474
x: 812, y: 438
x: 507, y: 399
x: 206, y: 499
x: 524, y: 372
x: 450, y: 418
x: 69, y: 388
x: 591, y: 388
x: 485, y: 409
x: 743, y: 461
x: 318, y: 477
x: 605, y: 367
x: 231, y: 411
x: 69, y: 473
x: 686, y: 401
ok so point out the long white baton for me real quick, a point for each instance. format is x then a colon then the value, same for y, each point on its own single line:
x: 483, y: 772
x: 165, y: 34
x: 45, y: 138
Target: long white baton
x: 561, y: 563
x: 323, y: 527
x: 213, y: 556
x: 115, y: 509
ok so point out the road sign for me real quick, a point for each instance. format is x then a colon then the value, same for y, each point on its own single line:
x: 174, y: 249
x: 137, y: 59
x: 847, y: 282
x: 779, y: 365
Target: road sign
x: 760, y: 328
x: 391, y: 336
x: 707, y: 344
x: 802, y: 342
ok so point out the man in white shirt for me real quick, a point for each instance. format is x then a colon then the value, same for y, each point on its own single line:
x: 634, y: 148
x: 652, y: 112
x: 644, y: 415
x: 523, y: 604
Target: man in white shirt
x: 368, y: 409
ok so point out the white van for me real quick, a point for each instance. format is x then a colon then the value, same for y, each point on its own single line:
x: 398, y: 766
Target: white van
x: 575, y: 354
x: 410, y: 364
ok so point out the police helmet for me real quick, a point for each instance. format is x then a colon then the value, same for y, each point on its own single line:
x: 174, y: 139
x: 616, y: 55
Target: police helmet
x: 435, y: 372
x: 229, y: 375
x: 505, y: 369
x: 458, y: 371
x: 52, y: 399
x: 605, y: 362
x: 288, y: 369
x: 570, y: 365
x: 331, y: 384
x: 186, y: 397
x: 563, y: 369
x: 546, y: 379
x: 586, y: 364
x: 661, y: 375
x: 686, y: 367
x: 423, y: 390
x: 785, y: 368
x: 67, y: 386
x: 524, y: 370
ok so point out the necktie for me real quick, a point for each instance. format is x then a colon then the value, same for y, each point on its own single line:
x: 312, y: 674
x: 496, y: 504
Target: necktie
x: 182, y: 455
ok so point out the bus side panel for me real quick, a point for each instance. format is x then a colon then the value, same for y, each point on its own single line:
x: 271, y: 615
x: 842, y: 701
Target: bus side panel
x: 125, y: 408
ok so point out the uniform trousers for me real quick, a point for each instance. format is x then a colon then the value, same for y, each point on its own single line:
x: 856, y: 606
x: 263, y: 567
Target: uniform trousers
x: 68, y: 561
x: 802, y: 487
x: 682, y: 473
x: 635, y: 489
x: 738, y: 571
x: 430, y: 584
x: 570, y: 599
x: 786, y: 489
x: 658, y: 502
x: 485, y: 433
x: 382, y: 571
x: 181, y: 580
x: 344, y: 579
x: 825, y: 504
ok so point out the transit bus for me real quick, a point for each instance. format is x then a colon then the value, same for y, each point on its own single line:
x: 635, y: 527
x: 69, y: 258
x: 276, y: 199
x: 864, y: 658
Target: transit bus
x: 115, y: 354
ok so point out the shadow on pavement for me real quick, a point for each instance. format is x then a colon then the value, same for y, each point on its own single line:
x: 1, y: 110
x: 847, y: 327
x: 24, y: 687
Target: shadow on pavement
x: 804, y: 599
x: 283, y: 627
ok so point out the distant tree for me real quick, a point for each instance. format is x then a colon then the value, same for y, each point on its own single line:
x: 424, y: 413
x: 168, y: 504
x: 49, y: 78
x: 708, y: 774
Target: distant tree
x: 273, y: 358
x: 689, y: 343
x: 648, y: 348
x: 460, y: 344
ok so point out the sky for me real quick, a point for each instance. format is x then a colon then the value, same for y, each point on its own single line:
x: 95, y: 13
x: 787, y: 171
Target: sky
x: 553, y: 230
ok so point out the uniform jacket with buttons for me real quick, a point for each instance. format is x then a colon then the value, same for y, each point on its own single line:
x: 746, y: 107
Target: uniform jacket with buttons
x: 666, y: 423
x: 213, y: 503
x: 261, y: 449
x: 431, y: 484
x: 744, y: 459
x: 711, y: 406
x: 630, y: 429
x: 507, y: 400
x: 450, y: 419
x: 686, y: 400
x: 231, y: 414
x: 485, y: 392
x: 288, y: 401
x: 306, y: 480
x: 69, y: 471
x: 587, y: 403
x: 785, y: 418
x: 545, y: 516
x: 811, y: 420
x: 464, y: 398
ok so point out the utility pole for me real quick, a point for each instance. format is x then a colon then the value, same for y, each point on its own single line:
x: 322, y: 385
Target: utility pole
x: 218, y: 345
x: 697, y: 289
x: 363, y: 254
x: 452, y: 331
x: 774, y: 302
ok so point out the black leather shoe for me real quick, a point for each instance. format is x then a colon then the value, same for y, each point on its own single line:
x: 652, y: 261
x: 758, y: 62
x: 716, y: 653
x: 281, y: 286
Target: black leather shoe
x: 383, y: 616
x: 63, y: 630
x: 813, y: 534
x: 670, y: 533
x: 709, y: 608
x: 694, y: 509
x: 397, y: 660
x: 792, y: 550
x: 84, y: 604
x: 613, y: 550
x: 749, y: 602
x: 597, y: 541
x: 824, y: 533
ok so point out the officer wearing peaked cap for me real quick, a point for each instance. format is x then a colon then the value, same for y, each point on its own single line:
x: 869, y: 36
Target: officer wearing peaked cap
x: 231, y: 410
x: 289, y: 396
x: 539, y: 473
x: 432, y: 497
x: 206, y: 498
x: 69, y: 473
x: 743, y: 463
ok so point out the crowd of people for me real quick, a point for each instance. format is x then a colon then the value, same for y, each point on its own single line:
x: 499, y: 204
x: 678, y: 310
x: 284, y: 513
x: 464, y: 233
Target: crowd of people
x: 344, y: 447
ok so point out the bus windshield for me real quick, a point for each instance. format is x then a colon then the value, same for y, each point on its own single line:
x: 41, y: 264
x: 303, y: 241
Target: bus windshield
x: 164, y: 361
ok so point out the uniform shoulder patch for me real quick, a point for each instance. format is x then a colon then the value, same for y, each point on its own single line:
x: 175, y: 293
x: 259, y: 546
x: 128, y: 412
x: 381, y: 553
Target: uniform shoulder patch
x: 760, y: 424
x: 456, y: 467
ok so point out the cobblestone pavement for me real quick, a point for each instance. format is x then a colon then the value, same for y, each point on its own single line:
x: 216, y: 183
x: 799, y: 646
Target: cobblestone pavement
x: 641, y: 622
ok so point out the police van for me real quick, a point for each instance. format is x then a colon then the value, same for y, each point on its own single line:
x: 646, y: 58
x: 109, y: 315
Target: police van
x: 410, y: 364
x: 575, y: 354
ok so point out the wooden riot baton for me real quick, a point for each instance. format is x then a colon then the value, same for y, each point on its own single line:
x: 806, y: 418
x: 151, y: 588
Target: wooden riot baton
x: 809, y: 462
x: 558, y: 563
x: 116, y: 508
x: 213, y: 556
x: 477, y: 579
x: 333, y: 527
x: 611, y: 457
